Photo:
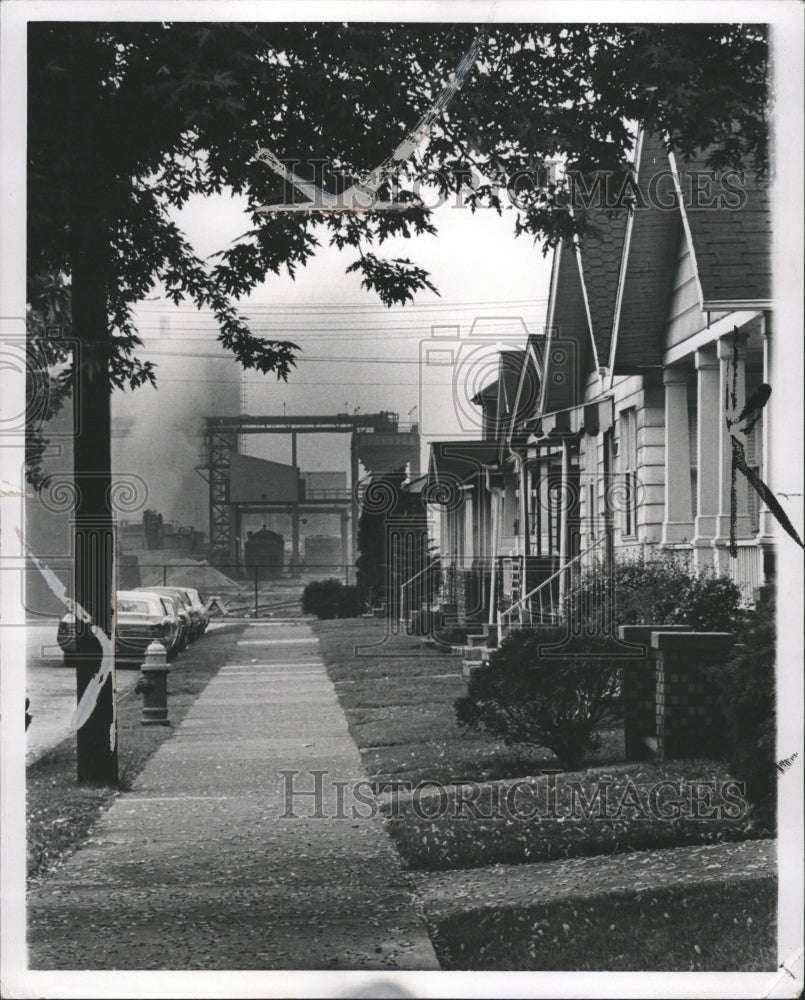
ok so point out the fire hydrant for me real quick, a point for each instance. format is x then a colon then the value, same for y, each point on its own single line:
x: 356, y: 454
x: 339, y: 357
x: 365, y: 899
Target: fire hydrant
x: 153, y: 684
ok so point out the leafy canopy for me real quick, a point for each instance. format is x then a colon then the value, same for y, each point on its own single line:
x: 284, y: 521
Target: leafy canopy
x: 180, y: 109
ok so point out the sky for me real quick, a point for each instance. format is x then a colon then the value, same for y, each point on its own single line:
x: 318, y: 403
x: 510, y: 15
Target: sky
x: 356, y: 354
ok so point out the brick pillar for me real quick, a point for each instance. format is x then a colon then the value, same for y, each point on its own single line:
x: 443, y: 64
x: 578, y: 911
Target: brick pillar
x: 639, y: 691
x: 686, y: 704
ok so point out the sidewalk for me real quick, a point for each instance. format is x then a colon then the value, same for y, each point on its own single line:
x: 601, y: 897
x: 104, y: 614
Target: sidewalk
x: 196, y: 869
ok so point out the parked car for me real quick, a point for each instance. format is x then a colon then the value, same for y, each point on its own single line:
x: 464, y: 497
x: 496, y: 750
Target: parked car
x: 201, y: 610
x: 188, y: 614
x: 141, y: 618
x: 182, y: 618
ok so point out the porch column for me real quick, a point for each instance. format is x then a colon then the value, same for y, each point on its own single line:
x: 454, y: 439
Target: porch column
x: 523, y: 508
x: 563, y: 512
x: 508, y: 533
x: 767, y: 524
x: 708, y: 413
x: 732, y: 392
x: 678, y: 521
x: 345, y: 544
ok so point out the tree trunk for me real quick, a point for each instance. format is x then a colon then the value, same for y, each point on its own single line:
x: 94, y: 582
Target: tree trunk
x: 93, y: 528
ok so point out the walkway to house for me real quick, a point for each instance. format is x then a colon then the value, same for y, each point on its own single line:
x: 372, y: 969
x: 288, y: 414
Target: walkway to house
x: 197, y: 867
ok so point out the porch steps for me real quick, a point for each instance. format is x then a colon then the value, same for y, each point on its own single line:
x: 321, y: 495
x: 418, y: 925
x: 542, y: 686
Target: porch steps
x: 476, y: 651
x: 479, y: 640
x: 468, y: 666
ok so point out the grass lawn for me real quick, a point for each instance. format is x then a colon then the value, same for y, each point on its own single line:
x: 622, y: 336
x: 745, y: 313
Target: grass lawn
x: 399, y: 707
x: 398, y: 698
x: 514, y: 822
x: 714, y: 927
x: 401, y: 715
x: 60, y: 813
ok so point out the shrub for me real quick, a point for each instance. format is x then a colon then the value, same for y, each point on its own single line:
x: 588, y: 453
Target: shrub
x: 746, y: 684
x: 558, y: 702
x: 711, y: 604
x: 330, y: 599
x: 663, y: 592
x: 453, y: 636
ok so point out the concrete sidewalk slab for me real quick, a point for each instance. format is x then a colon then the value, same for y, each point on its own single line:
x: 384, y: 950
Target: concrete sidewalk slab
x: 196, y: 868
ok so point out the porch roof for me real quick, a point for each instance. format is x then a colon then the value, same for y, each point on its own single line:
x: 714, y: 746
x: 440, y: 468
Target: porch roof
x: 416, y: 485
x: 460, y: 460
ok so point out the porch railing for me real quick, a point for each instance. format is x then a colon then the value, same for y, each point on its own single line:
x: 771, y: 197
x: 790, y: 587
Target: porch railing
x: 429, y: 567
x: 547, y: 599
x: 747, y: 570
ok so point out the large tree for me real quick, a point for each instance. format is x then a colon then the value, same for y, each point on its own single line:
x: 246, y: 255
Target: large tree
x: 129, y: 120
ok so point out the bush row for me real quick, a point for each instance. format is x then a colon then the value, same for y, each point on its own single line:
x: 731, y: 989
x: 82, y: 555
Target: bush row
x: 561, y: 697
x: 330, y: 599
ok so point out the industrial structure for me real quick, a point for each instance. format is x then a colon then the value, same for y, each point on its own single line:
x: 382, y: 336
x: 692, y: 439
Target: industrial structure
x: 239, y: 484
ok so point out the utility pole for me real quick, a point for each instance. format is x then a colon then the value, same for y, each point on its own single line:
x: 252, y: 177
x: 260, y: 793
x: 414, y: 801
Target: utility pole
x: 295, y: 512
x: 93, y: 526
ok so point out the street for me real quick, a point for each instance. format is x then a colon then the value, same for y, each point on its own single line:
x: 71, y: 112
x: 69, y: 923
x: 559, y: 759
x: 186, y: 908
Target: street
x: 51, y: 687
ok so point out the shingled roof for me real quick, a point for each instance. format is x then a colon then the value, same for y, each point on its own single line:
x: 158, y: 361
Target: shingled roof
x: 511, y: 363
x: 525, y: 406
x: 569, y: 345
x: 649, y: 264
x: 635, y: 255
x: 601, y: 250
x: 732, y: 239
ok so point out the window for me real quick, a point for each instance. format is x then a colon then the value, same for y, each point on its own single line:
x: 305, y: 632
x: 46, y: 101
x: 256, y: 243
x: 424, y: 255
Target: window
x: 125, y: 607
x: 627, y: 456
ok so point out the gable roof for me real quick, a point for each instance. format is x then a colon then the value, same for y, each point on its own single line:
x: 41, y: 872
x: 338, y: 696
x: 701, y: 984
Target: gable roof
x: 511, y: 364
x: 731, y: 238
x: 526, y: 398
x: 611, y: 292
x: 652, y: 240
x: 600, y: 252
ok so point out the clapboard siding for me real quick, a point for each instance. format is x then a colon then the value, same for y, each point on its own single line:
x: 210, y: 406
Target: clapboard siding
x: 685, y: 316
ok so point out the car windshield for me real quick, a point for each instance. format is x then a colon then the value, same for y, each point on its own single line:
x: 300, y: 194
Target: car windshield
x: 179, y: 596
x: 167, y: 606
x: 128, y: 607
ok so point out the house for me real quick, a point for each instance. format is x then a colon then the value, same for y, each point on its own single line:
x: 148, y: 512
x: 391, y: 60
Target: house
x: 608, y: 435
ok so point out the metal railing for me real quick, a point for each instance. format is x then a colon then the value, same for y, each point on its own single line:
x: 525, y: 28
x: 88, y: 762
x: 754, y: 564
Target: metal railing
x: 550, y: 607
x: 429, y: 567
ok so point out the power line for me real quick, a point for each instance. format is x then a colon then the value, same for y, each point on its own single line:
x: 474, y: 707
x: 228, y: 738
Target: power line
x: 255, y: 382
x: 341, y: 360
x: 162, y: 306
x: 342, y: 335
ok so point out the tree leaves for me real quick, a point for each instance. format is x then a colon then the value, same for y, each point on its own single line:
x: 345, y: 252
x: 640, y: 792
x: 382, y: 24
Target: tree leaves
x: 395, y: 280
x: 179, y: 109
